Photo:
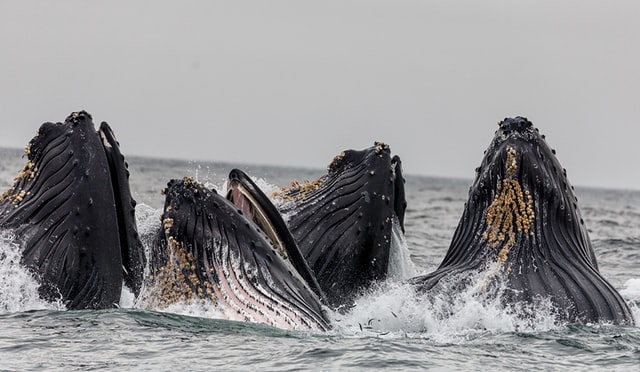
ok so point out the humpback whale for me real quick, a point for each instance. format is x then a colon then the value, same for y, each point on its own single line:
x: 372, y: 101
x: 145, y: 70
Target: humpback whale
x: 343, y: 221
x: 72, y: 210
x: 209, y: 251
x: 522, y: 227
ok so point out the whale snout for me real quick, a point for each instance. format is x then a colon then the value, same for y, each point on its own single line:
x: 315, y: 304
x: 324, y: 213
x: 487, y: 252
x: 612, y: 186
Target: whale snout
x: 517, y: 124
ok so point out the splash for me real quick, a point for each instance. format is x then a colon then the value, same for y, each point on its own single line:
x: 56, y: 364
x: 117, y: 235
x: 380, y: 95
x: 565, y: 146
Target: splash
x: 265, y: 186
x: 200, y: 309
x: 18, y: 286
x: 395, y: 310
x: 148, y: 222
x: 631, y: 293
x: 401, y: 266
x: 631, y: 290
x: 127, y: 298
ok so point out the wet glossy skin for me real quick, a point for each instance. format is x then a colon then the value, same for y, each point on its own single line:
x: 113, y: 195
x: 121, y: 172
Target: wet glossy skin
x: 343, y: 221
x: 522, y: 226
x: 209, y: 252
x: 76, y: 228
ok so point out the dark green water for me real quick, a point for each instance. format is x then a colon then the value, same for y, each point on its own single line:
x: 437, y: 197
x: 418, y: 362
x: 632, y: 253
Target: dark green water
x: 389, y: 329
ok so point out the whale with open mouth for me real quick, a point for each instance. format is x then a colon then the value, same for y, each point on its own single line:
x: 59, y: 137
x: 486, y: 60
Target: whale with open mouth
x: 343, y: 222
x: 210, y: 252
x: 72, y: 210
x: 522, y: 227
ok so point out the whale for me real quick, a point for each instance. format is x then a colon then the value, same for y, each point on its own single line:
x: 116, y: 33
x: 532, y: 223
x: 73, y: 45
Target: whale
x: 521, y: 229
x: 72, y: 211
x: 210, y: 252
x: 343, y: 222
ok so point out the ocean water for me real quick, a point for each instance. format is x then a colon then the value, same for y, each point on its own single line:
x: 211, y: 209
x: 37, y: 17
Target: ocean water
x: 390, y: 328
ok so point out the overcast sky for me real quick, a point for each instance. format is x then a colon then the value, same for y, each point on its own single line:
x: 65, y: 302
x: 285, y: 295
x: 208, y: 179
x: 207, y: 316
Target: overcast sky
x: 295, y: 82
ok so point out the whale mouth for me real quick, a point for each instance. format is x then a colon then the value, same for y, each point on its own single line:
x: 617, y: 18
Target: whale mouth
x: 258, y: 208
x: 209, y: 251
x: 244, y: 194
x: 72, y: 207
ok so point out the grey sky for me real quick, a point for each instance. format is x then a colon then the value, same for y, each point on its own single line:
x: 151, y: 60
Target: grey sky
x: 295, y: 82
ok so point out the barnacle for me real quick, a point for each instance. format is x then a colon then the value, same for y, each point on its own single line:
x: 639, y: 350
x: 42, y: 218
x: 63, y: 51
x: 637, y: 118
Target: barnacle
x: 167, y: 222
x: 380, y: 146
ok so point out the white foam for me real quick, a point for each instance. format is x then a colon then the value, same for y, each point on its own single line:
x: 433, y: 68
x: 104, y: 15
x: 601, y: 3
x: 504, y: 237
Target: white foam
x: 631, y: 290
x: 266, y: 187
x: 147, y: 218
x: 395, y: 310
x: 196, y: 308
x: 18, y: 287
x: 148, y: 223
x: 127, y: 298
x: 631, y: 293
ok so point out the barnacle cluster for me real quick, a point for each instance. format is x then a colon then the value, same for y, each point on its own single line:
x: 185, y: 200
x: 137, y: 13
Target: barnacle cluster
x: 15, y: 194
x: 177, y: 280
x: 167, y: 223
x: 380, y: 146
x: 297, y: 191
x: 511, y: 212
x: 190, y: 182
x: 336, y: 160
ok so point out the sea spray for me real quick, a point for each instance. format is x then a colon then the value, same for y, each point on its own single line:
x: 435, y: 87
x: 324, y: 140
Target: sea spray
x: 18, y: 286
x: 444, y: 316
x: 631, y: 293
x: 127, y: 298
x: 631, y: 290
x: 148, y: 222
x: 196, y: 308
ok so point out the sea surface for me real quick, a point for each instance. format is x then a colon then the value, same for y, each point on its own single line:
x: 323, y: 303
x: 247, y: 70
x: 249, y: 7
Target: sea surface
x: 389, y: 329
